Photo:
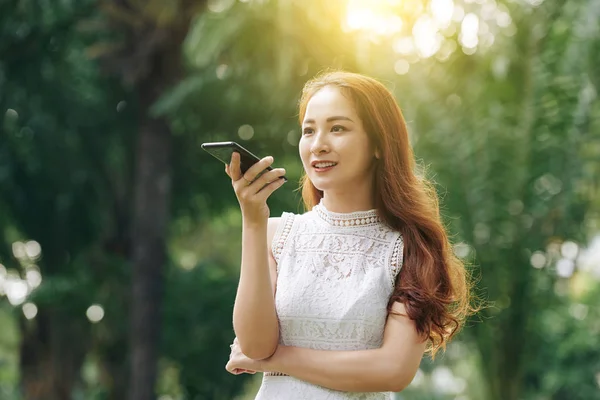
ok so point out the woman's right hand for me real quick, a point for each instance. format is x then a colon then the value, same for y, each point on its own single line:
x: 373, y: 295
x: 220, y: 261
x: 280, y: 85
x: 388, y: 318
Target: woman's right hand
x: 252, y: 192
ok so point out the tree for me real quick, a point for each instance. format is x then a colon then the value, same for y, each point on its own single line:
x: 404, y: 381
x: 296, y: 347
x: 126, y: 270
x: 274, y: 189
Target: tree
x: 147, y: 57
x: 51, y: 187
x: 515, y: 135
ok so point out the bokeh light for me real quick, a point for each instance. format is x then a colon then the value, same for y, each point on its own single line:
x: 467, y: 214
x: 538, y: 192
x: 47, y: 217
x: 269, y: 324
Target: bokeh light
x: 95, y: 313
x: 372, y: 16
x: 33, y: 249
x: 16, y: 290
x: 401, y: 67
x: 19, y: 250
x: 30, y: 310
x: 33, y: 277
x: 246, y: 132
x: 538, y: 260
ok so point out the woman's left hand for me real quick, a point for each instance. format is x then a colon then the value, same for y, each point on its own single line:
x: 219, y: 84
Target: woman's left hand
x: 239, y: 363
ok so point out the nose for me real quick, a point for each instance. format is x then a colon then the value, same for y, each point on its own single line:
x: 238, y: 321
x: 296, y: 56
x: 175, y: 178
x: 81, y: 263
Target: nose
x: 319, y: 145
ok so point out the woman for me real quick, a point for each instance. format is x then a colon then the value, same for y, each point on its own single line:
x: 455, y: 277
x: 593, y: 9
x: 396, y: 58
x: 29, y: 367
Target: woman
x: 342, y: 301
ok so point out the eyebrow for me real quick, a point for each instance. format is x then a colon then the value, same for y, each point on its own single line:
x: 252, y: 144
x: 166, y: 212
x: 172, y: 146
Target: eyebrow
x: 330, y: 119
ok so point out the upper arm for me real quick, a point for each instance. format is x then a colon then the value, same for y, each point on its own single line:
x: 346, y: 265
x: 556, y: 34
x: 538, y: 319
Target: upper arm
x: 272, y: 226
x: 403, y: 345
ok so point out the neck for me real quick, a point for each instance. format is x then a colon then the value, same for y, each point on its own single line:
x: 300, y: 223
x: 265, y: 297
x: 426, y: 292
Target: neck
x: 349, y: 202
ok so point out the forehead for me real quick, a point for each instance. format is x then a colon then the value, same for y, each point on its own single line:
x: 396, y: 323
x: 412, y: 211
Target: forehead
x: 327, y: 102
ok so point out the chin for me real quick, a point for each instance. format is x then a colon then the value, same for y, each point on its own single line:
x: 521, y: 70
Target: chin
x: 322, y: 184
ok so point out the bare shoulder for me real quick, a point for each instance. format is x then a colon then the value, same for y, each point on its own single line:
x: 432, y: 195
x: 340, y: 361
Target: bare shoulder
x: 272, y: 226
x: 271, y: 229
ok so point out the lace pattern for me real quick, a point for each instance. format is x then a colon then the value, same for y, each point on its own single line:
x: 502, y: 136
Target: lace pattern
x: 348, y: 219
x: 281, y: 235
x: 334, y: 282
x: 290, y: 388
x: 397, y: 259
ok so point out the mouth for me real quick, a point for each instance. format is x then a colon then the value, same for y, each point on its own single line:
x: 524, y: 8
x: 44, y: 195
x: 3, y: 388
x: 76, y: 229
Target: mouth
x: 322, y: 166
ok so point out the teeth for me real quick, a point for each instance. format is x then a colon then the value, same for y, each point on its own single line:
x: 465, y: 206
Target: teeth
x: 324, y: 165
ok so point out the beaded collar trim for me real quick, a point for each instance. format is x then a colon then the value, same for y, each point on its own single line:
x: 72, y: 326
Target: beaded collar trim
x: 357, y: 218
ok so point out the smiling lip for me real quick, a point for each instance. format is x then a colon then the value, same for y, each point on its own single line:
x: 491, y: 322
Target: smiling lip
x: 314, y: 163
x: 323, y: 169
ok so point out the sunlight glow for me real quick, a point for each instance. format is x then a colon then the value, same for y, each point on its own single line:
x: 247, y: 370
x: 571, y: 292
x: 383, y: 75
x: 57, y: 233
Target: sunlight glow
x: 373, y: 16
x: 588, y: 259
x: 401, y: 67
x: 469, y: 30
x: 419, y: 31
x: 404, y: 45
x: 442, y: 11
x: 503, y: 19
x: 458, y: 14
x: 427, y: 37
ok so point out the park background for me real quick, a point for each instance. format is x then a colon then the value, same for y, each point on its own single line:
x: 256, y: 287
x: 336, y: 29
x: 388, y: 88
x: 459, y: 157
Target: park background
x: 120, y: 237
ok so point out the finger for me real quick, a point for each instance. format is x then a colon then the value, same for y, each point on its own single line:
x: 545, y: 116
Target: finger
x: 232, y: 370
x: 261, y: 183
x: 268, y: 190
x: 257, y: 168
x: 234, y: 167
x: 269, y: 177
x: 227, y: 170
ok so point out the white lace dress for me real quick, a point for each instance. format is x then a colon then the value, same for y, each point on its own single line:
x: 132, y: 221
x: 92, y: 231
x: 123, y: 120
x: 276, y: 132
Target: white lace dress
x: 336, y: 273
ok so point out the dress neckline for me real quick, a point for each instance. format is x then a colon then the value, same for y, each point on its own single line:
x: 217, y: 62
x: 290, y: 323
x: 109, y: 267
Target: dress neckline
x: 356, y: 218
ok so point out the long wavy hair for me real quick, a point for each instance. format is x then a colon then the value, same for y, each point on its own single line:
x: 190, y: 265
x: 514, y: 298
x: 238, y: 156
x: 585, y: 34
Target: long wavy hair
x: 433, y: 284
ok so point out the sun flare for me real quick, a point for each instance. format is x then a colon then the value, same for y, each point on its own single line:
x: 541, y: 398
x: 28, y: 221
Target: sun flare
x: 373, y: 16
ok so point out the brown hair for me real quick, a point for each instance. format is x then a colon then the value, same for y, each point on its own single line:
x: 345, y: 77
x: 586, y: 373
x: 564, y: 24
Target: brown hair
x: 433, y: 284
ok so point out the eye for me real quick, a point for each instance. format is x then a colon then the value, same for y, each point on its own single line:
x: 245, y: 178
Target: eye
x: 337, y: 128
x: 307, y: 131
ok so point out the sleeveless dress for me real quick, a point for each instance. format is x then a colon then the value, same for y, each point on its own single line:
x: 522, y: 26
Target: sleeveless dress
x: 335, y: 275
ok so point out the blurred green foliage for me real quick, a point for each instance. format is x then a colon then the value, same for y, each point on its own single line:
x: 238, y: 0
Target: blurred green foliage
x: 509, y: 131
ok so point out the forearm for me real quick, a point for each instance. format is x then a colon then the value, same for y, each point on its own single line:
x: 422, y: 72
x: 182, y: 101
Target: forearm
x: 254, y: 315
x: 349, y: 371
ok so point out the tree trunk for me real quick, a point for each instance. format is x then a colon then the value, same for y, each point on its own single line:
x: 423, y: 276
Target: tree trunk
x: 152, y: 192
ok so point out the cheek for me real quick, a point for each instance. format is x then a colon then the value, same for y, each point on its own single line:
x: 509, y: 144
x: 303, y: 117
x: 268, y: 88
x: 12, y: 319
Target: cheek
x: 304, y: 151
x: 362, y: 153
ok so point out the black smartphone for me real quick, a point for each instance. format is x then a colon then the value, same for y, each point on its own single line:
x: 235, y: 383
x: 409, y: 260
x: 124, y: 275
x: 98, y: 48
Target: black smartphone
x: 222, y: 151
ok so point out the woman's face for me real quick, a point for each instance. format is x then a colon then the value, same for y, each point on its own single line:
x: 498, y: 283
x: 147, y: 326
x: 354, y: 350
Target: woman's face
x: 332, y: 132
